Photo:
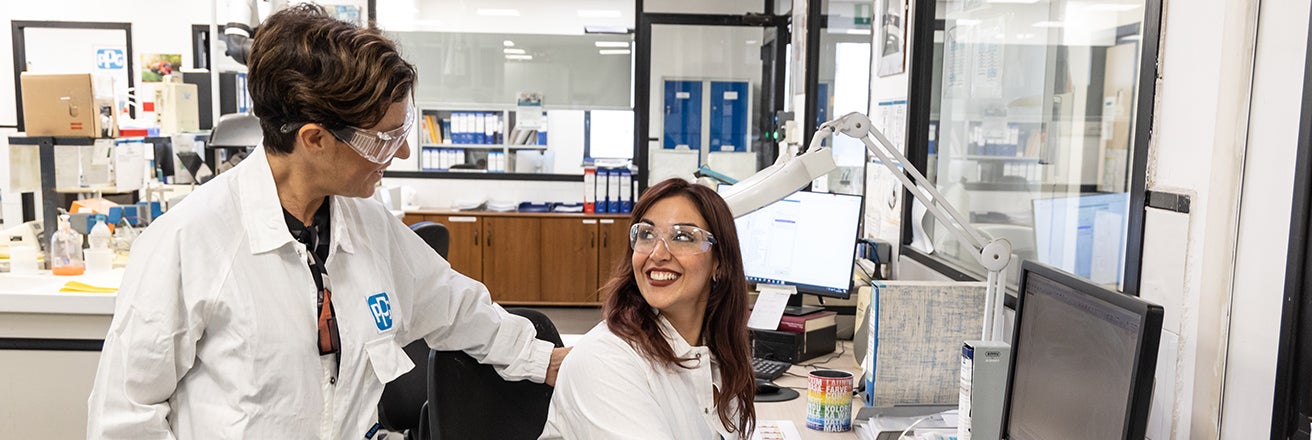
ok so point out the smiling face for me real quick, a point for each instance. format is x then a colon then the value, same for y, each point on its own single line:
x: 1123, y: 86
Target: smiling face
x: 675, y: 284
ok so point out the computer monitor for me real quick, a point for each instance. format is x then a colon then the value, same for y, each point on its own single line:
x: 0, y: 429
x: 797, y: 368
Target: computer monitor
x: 163, y: 149
x: 807, y: 240
x: 1084, y: 234
x: 1083, y: 359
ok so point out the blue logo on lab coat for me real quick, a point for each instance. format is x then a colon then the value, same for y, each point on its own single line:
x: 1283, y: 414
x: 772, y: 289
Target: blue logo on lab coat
x: 381, y: 307
x: 110, y: 59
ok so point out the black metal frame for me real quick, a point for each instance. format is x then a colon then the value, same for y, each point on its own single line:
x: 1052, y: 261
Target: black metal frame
x: 19, y: 28
x: 919, y: 92
x: 1291, y: 411
x: 42, y: 344
x: 49, y: 198
x: 642, y: 76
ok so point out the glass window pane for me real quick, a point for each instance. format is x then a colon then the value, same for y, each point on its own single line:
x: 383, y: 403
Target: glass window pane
x: 706, y: 96
x: 1033, y: 114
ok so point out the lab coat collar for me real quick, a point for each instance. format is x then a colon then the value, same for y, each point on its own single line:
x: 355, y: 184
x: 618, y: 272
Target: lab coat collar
x: 261, y: 211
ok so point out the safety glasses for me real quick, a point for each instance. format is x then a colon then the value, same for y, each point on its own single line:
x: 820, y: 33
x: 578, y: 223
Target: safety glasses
x: 376, y: 146
x: 679, y: 239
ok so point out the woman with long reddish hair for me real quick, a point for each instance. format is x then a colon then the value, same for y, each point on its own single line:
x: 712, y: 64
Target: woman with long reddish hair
x: 671, y: 359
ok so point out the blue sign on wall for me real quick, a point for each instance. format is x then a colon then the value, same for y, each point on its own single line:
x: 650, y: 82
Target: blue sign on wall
x: 111, y: 59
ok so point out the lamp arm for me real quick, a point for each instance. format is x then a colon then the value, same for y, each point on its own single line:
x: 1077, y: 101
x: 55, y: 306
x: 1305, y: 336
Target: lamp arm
x: 993, y: 254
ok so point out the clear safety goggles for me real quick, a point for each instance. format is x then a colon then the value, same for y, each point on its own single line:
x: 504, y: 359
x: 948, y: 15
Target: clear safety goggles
x: 679, y: 239
x: 377, y: 146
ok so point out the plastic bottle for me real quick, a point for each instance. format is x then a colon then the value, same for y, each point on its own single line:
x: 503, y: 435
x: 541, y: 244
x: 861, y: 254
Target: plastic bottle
x: 100, y: 257
x: 66, y: 250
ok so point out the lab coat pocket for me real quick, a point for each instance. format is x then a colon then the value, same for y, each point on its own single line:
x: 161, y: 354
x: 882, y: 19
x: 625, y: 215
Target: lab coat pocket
x: 388, y: 359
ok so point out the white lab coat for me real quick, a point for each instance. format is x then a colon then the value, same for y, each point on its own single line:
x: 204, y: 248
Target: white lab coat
x: 214, y: 331
x: 606, y: 390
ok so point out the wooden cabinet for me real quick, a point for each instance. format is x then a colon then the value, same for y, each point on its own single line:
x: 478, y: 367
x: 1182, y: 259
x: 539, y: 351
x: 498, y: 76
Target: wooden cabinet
x: 569, y: 260
x: 535, y: 258
x: 511, y: 268
x: 613, y: 247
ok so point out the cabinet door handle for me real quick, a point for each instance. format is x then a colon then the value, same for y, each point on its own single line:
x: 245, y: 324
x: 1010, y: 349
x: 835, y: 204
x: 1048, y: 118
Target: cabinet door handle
x: 592, y: 239
x: 475, y: 238
x: 488, y: 239
x: 605, y: 239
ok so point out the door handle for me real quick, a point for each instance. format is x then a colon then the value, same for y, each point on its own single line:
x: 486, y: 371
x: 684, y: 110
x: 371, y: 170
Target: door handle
x: 475, y: 238
x: 605, y: 239
x: 592, y: 239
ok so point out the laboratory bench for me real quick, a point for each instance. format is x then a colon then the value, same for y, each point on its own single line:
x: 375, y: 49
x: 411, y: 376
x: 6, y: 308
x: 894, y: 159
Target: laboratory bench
x: 534, y: 258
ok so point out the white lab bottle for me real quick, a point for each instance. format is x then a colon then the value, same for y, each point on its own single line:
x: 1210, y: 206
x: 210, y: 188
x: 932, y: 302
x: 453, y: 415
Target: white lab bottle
x: 66, y: 250
x: 100, y: 257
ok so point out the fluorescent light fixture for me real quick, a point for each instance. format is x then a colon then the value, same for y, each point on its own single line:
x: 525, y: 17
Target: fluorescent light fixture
x: 513, y: 51
x: 1049, y: 24
x: 1025, y: 36
x: 498, y: 12
x: 612, y: 43
x: 606, y: 30
x: 1135, y: 37
x: 519, y: 57
x: 1114, y: 7
x: 751, y: 42
x: 1021, y: 2
x: 968, y: 22
x: 508, y: 43
x: 599, y: 13
x: 858, y: 32
x: 614, y: 51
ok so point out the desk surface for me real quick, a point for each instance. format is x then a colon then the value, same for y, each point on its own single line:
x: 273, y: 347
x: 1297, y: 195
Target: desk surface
x: 795, y: 410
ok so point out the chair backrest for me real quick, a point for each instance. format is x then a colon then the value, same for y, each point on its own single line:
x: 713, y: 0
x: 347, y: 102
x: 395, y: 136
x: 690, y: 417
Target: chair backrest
x: 435, y: 234
x: 469, y: 400
x: 401, y: 407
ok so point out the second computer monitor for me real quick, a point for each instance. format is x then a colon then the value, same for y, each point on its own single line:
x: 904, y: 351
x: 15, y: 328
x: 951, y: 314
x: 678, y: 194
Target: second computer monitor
x: 807, y: 240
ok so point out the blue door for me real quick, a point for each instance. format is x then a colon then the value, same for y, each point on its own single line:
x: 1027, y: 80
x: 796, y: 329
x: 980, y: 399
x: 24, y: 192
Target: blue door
x: 821, y: 104
x: 729, y: 115
x: 683, y: 114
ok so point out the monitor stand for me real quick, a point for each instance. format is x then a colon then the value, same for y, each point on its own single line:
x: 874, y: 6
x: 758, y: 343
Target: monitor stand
x: 795, y: 307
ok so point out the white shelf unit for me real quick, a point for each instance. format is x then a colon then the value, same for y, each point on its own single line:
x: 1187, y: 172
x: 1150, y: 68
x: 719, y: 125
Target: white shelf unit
x: 470, y: 139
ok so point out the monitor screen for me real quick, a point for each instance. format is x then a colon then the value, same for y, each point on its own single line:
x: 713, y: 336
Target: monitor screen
x: 807, y: 240
x: 1084, y: 235
x: 1083, y: 360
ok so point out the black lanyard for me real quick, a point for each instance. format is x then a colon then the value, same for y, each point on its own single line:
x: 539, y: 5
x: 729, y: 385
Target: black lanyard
x: 316, y: 238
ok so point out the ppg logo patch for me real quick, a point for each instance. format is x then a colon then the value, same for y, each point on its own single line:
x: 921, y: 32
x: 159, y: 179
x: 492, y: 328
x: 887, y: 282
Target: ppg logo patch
x: 381, y: 307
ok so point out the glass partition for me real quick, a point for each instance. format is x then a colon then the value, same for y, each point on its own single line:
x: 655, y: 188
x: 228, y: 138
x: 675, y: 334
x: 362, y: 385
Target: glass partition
x: 1030, y: 130
x: 516, y: 88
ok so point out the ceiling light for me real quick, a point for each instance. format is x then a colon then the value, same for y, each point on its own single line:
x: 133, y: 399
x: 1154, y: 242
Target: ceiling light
x: 599, y: 13
x: 514, y: 51
x: 612, y: 43
x: 751, y: 42
x: 519, y: 57
x: 1023, y: 2
x: 858, y: 32
x: 508, y: 43
x: 1135, y: 37
x: 499, y: 12
x: 614, y: 51
x: 1049, y: 24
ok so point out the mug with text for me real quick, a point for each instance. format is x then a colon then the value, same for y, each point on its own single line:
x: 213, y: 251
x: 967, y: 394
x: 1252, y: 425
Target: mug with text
x: 829, y: 401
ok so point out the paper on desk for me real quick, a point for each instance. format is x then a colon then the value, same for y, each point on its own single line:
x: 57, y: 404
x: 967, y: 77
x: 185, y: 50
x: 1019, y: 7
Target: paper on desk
x: 776, y: 430
x: 769, y: 307
x: 75, y: 286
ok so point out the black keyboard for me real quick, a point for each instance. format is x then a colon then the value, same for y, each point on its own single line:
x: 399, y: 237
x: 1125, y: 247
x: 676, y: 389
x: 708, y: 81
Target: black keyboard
x: 768, y: 369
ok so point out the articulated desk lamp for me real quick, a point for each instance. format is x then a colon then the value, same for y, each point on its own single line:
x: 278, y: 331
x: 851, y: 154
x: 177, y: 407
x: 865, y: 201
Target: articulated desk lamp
x: 791, y: 173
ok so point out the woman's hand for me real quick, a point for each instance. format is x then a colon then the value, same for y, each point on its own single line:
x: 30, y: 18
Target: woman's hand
x: 557, y: 356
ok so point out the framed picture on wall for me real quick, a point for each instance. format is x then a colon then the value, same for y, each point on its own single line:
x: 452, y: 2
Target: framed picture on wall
x: 890, y: 22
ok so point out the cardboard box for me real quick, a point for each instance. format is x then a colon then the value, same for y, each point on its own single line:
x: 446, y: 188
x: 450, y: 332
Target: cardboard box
x: 66, y: 105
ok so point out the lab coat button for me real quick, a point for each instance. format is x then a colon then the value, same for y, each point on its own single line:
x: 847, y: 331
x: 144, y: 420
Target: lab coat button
x: 332, y: 381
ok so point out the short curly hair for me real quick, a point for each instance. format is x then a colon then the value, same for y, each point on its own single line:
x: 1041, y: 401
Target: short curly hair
x: 306, y: 66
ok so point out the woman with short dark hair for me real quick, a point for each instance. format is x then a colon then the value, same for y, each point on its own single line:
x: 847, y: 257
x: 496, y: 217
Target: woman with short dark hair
x: 671, y: 360
x: 274, y: 301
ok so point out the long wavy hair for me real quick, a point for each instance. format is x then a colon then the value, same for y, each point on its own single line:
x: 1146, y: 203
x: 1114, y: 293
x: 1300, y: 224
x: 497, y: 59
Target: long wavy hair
x: 724, y: 328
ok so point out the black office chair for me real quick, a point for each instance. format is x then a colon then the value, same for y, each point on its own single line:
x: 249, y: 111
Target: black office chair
x: 469, y: 400
x: 401, y: 409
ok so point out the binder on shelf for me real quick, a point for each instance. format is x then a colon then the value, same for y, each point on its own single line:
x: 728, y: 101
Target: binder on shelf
x: 589, y: 189
x: 626, y: 191
x: 613, y: 191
